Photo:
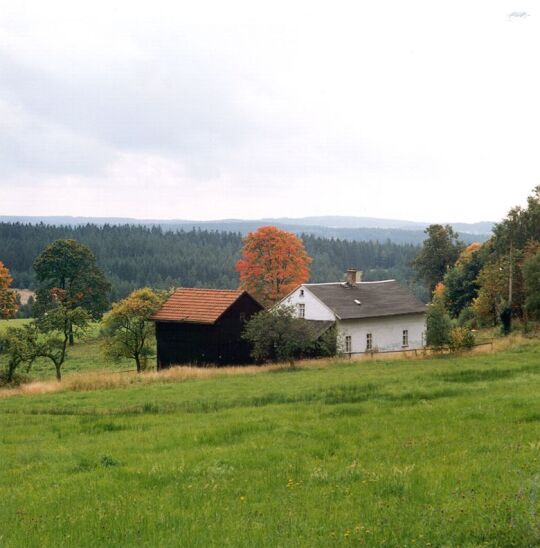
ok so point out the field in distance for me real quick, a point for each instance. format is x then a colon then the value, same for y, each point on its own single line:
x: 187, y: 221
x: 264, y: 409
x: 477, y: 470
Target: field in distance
x: 404, y: 453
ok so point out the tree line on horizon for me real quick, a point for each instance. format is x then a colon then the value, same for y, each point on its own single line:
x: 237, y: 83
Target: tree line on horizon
x: 138, y: 256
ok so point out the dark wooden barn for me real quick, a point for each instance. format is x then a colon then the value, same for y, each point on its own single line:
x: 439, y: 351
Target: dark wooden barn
x: 204, y: 326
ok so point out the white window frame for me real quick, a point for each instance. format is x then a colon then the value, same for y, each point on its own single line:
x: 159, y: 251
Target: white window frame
x: 369, y: 341
x: 405, y: 339
x: 348, y: 344
x: 301, y: 309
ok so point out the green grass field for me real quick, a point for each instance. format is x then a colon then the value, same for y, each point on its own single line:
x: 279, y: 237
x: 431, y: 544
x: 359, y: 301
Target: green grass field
x: 85, y: 356
x: 436, y: 452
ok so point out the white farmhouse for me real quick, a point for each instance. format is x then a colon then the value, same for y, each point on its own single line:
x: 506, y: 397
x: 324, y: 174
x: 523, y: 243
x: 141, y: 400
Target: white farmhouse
x: 370, y: 316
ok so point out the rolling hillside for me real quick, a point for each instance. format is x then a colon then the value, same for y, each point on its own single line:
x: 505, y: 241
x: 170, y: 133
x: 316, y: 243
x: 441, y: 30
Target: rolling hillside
x: 437, y: 452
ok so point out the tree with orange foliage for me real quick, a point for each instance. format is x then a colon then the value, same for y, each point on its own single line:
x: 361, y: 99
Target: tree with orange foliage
x: 8, y: 297
x: 273, y: 263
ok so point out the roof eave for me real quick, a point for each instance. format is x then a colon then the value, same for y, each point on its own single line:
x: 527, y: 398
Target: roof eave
x: 390, y: 314
x: 171, y: 320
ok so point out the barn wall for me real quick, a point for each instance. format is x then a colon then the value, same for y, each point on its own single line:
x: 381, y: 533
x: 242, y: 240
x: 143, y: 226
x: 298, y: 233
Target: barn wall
x: 221, y: 343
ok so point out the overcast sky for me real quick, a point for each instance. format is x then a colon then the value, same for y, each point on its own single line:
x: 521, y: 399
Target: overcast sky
x: 426, y: 111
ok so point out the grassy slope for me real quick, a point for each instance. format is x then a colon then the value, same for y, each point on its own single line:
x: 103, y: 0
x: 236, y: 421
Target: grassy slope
x: 409, y: 453
x: 85, y: 356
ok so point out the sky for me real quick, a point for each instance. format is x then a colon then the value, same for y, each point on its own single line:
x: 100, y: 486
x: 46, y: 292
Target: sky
x: 425, y: 111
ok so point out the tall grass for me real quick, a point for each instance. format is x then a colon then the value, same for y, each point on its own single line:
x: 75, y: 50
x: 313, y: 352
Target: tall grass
x: 426, y: 452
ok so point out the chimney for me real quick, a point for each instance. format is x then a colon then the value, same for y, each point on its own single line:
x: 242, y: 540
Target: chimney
x: 353, y: 277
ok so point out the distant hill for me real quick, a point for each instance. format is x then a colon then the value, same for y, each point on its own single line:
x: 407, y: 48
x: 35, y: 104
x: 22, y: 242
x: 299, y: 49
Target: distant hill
x: 348, y: 228
x: 484, y: 227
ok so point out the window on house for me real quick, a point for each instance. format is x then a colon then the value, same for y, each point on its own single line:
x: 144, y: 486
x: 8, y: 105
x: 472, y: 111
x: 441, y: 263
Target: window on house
x: 348, y: 344
x: 405, y: 341
x: 301, y: 310
x: 369, y: 341
x: 242, y: 316
x: 301, y: 293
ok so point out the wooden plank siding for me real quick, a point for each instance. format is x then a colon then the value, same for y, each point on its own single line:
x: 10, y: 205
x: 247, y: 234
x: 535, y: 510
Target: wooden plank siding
x: 219, y: 343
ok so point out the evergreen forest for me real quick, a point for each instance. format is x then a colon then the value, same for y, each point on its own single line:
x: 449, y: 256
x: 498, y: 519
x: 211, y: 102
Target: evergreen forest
x: 137, y: 256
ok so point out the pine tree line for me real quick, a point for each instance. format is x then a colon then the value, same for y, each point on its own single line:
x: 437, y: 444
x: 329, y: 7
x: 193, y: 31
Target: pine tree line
x: 138, y: 256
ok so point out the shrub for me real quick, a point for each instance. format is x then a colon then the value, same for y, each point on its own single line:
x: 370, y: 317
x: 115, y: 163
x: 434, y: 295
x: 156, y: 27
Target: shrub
x: 461, y: 338
x: 16, y: 379
x: 278, y: 335
x: 438, y: 325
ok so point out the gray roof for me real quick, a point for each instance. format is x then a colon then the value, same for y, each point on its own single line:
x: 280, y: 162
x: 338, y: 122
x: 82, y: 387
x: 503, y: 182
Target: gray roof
x: 387, y: 298
x: 320, y: 327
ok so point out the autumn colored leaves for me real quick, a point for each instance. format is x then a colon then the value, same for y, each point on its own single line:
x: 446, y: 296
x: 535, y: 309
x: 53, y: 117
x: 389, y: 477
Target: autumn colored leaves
x: 272, y: 264
x: 8, y: 297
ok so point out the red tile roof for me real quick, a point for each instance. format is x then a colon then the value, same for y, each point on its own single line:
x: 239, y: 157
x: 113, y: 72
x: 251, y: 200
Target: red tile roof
x: 194, y: 305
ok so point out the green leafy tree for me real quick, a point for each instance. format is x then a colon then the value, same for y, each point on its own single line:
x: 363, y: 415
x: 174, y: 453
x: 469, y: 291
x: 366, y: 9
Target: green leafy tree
x: 438, y: 325
x: 127, y: 329
x: 439, y: 252
x: 519, y: 227
x: 71, y: 267
x: 55, y: 327
x: 277, y: 335
x: 493, y: 291
x: 460, y: 282
x: 531, y: 273
x: 19, y: 345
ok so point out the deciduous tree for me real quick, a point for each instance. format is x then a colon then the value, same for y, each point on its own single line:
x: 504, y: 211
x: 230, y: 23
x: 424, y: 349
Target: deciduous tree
x: 19, y: 345
x: 531, y: 273
x: 461, y: 286
x: 8, y: 297
x: 56, y: 326
x: 438, y: 324
x: 519, y: 227
x: 71, y: 267
x: 273, y: 263
x: 493, y: 293
x: 278, y: 335
x: 127, y: 329
x: 439, y: 252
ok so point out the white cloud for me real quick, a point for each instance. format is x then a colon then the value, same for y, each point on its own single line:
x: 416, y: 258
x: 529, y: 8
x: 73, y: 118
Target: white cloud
x: 414, y: 110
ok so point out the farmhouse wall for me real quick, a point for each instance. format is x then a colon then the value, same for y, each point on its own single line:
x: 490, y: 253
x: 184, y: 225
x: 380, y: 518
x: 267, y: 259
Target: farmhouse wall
x: 386, y: 332
x: 314, y: 308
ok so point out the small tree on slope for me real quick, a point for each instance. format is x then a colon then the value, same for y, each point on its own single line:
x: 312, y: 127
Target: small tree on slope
x: 127, y: 329
x: 438, y: 325
x: 8, y: 297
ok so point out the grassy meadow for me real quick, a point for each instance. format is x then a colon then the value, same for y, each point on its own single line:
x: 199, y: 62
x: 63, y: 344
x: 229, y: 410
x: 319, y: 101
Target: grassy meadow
x: 434, y: 452
x: 85, y: 356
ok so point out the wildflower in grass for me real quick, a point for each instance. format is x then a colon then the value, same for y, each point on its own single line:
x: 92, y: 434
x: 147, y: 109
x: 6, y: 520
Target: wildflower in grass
x: 291, y: 484
x: 242, y: 498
